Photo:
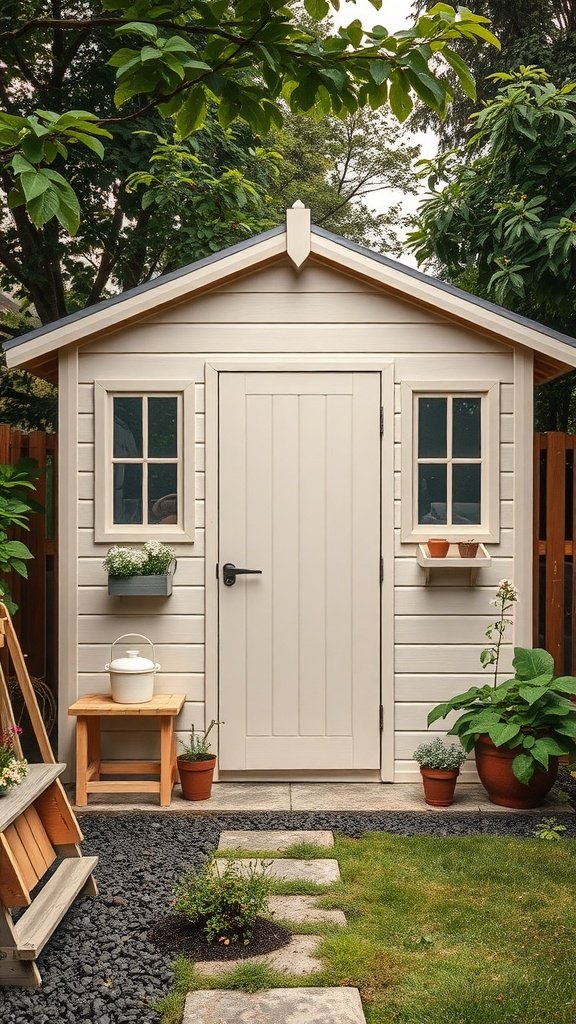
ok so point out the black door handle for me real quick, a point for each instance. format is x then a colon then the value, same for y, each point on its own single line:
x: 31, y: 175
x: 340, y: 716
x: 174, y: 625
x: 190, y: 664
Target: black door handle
x: 230, y: 572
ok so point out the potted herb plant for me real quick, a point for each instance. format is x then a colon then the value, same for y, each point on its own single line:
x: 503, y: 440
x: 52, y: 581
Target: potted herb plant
x: 520, y: 727
x: 12, y: 768
x: 439, y: 767
x: 196, y: 765
x: 143, y: 572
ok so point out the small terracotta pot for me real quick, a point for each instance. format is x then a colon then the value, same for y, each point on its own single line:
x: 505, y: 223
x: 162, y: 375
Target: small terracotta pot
x: 467, y: 550
x: 439, y: 786
x: 494, y: 766
x: 438, y: 547
x: 196, y: 777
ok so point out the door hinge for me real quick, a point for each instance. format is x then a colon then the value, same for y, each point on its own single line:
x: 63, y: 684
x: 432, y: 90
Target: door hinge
x: 217, y: 577
x: 381, y: 718
x: 381, y: 569
x: 381, y: 420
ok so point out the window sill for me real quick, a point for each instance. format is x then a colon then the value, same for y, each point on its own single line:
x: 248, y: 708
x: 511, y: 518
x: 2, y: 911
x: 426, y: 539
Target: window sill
x: 453, y: 560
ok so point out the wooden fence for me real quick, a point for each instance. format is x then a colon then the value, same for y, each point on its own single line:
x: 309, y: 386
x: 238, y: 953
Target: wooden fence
x: 555, y: 547
x: 36, y: 620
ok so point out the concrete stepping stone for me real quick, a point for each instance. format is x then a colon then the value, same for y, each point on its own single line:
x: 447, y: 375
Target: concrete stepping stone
x: 272, y: 840
x: 286, y: 869
x: 275, y: 1006
x: 295, y: 958
x: 303, y: 910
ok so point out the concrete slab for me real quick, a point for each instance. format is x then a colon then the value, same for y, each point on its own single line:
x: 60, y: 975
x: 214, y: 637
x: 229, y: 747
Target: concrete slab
x: 295, y: 958
x: 321, y: 871
x: 303, y: 910
x: 234, y: 797
x: 272, y: 840
x: 275, y: 1006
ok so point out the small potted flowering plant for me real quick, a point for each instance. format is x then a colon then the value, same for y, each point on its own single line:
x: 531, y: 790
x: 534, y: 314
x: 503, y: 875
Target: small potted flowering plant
x: 439, y: 767
x: 143, y: 572
x: 12, y: 768
x: 196, y: 765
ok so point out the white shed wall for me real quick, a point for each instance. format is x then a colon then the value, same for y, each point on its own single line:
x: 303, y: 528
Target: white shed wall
x: 438, y: 630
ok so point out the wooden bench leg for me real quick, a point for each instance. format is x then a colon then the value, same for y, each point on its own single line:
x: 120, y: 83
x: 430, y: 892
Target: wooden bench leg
x: 13, y: 971
x: 166, y: 759
x: 81, y: 761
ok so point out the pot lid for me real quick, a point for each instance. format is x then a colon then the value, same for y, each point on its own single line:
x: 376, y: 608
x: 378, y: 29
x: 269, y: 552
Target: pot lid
x: 132, y: 663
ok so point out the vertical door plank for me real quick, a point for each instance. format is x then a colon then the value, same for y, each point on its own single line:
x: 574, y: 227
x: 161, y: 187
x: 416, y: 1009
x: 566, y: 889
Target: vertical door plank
x: 258, y: 590
x: 285, y: 546
x: 232, y: 600
x: 339, y: 502
x: 366, y: 570
x: 312, y: 565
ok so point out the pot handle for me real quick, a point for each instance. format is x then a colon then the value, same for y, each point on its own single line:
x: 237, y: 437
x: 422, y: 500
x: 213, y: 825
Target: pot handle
x: 140, y: 637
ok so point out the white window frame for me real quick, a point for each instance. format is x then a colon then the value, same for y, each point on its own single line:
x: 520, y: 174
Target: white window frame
x: 489, y: 527
x: 104, y: 527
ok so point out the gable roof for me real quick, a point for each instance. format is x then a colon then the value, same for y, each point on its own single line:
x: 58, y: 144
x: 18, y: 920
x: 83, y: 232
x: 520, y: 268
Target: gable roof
x: 37, y: 349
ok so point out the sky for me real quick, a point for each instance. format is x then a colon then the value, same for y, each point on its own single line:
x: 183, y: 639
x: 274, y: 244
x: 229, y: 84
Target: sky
x: 395, y: 15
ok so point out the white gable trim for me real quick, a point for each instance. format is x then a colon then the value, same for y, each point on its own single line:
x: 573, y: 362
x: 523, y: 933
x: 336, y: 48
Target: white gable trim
x: 136, y: 307
x: 463, y: 309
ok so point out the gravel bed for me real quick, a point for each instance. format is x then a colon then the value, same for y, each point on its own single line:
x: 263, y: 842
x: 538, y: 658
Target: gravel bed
x: 100, y: 968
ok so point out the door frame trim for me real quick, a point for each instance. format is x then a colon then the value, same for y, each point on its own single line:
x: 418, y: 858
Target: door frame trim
x: 244, y: 364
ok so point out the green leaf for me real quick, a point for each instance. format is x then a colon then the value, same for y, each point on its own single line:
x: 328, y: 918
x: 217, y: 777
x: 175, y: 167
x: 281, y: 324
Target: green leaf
x: 192, y: 113
x: 94, y: 144
x: 462, y: 70
x: 69, y: 211
x: 440, y: 711
x: 503, y: 732
x: 317, y: 9
x: 400, y: 99
x: 523, y: 768
x: 532, y: 662
x: 138, y: 28
x: 379, y: 70
x: 44, y: 207
x: 532, y: 693
x: 564, y: 684
x: 16, y: 549
x: 34, y: 184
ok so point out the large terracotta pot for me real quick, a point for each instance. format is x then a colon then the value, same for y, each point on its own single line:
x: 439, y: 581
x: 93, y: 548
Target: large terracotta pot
x: 439, y: 786
x: 494, y: 766
x: 196, y: 777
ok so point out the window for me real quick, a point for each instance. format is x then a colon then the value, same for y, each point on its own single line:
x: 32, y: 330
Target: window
x: 450, y: 471
x: 144, y: 461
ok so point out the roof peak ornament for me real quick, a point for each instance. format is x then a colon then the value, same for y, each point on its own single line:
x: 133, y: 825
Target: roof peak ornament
x: 298, y: 239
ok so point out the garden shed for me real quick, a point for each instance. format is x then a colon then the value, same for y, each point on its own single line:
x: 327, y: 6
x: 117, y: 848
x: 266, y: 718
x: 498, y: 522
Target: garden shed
x: 305, y: 407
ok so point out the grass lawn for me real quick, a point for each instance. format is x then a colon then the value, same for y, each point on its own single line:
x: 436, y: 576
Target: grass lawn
x: 471, y: 930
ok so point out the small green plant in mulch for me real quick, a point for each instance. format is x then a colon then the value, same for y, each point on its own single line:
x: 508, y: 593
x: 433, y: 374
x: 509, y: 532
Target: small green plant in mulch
x: 550, y: 829
x: 223, y: 901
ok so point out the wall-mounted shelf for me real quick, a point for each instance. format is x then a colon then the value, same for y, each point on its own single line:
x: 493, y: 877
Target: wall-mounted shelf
x: 453, y: 561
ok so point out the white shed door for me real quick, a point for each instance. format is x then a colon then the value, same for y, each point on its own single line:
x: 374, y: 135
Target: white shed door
x: 299, y: 663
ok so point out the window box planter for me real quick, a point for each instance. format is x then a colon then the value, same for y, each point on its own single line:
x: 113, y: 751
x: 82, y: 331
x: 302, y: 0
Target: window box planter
x: 159, y: 585
x: 453, y: 560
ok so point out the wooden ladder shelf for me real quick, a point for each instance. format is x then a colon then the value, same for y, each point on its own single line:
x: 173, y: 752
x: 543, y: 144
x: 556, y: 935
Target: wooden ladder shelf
x: 38, y: 828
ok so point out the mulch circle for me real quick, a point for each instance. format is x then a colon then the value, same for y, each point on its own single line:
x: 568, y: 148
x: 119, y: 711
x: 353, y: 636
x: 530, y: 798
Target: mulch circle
x: 175, y: 934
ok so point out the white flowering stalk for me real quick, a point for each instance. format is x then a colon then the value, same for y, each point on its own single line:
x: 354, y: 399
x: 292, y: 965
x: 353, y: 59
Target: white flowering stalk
x: 153, y: 559
x: 506, y: 598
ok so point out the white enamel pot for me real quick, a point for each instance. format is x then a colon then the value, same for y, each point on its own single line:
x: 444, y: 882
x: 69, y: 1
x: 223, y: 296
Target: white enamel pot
x: 132, y: 677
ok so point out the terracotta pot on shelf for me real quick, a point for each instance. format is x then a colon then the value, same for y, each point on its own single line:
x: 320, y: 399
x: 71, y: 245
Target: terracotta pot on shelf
x: 494, y: 766
x: 438, y: 547
x: 196, y: 777
x: 439, y: 786
x: 467, y: 549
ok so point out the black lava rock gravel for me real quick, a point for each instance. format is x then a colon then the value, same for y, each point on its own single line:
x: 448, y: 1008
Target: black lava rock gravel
x: 99, y: 967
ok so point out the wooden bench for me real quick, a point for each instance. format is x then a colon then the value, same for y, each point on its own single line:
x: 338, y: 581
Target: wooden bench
x: 90, y: 712
x: 37, y: 826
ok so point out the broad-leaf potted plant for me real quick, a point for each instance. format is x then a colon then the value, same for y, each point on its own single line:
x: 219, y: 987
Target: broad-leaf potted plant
x: 141, y: 572
x: 439, y: 767
x: 196, y: 765
x: 520, y: 727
